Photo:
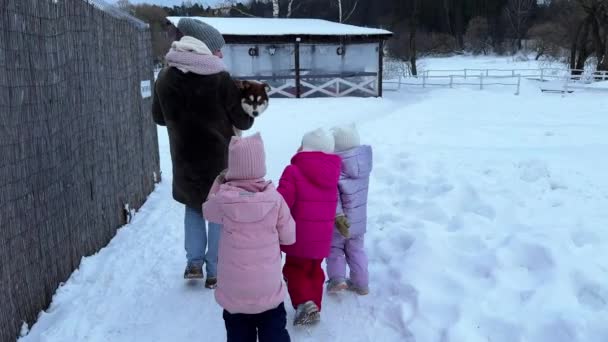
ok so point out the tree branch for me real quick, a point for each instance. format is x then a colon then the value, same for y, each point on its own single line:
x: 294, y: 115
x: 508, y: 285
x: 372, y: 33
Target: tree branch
x: 352, y: 11
x: 244, y: 13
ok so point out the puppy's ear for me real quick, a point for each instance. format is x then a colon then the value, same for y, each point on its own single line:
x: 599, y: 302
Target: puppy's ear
x: 239, y: 84
x: 267, y: 87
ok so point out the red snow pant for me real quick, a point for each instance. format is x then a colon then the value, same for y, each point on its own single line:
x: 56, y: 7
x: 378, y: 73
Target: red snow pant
x: 305, y: 279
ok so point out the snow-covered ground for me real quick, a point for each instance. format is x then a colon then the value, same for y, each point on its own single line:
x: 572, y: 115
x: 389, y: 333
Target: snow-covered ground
x: 487, y: 222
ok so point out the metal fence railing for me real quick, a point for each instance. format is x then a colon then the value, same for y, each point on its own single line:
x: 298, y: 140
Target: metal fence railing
x: 77, y: 142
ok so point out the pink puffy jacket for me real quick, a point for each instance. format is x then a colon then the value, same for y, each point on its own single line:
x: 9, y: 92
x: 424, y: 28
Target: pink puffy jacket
x: 310, y: 188
x: 256, y: 220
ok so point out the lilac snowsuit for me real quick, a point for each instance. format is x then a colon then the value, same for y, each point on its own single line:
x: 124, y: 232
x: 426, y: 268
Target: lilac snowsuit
x: 353, y: 190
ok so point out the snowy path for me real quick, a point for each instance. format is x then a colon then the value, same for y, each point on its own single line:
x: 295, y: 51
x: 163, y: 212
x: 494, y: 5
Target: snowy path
x: 488, y: 222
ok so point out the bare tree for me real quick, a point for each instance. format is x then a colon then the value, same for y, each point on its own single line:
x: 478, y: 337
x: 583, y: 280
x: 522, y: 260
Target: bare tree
x: 156, y: 17
x: 123, y: 4
x: 413, y: 23
x: 341, y: 10
x: 290, y: 8
x: 276, y: 8
x: 518, y: 13
x: 591, y: 36
x: 477, y: 37
x: 234, y: 5
x: 455, y: 22
x: 549, y: 39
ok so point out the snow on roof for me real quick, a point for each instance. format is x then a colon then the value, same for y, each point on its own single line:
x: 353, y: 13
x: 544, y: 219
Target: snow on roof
x: 284, y: 27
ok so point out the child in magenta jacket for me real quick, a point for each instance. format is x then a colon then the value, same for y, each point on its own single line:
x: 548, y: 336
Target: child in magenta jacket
x: 256, y: 221
x: 309, y: 186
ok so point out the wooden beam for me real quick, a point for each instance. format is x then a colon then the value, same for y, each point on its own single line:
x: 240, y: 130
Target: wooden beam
x: 306, y: 76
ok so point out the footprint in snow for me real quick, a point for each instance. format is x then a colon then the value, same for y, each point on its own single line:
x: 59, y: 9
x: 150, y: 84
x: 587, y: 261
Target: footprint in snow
x: 427, y: 211
x: 537, y: 259
x: 592, y: 296
x: 456, y: 223
x: 499, y: 330
x: 533, y: 170
x: 472, y: 203
x: 437, y: 188
x: 556, y: 330
x: 583, y: 238
x: 470, y: 243
x: 386, y: 219
x: 399, y: 315
x: 387, y: 177
x: 402, y: 241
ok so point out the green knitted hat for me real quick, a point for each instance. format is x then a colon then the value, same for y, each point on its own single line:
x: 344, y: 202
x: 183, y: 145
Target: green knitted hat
x: 203, y: 32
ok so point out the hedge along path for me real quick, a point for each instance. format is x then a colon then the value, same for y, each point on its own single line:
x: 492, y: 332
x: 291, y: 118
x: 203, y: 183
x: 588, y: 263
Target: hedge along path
x: 77, y: 142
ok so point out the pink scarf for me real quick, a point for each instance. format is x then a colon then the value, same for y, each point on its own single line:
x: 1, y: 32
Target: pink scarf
x: 195, y: 63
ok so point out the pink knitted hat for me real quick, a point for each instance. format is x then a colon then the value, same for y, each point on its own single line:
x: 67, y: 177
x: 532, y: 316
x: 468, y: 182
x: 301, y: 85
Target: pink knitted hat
x: 246, y: 158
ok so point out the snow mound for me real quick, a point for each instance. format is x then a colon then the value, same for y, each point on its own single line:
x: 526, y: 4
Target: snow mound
x: 533, y: 170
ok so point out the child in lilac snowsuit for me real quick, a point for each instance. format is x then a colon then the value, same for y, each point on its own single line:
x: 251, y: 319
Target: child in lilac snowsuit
x: 351, y: 217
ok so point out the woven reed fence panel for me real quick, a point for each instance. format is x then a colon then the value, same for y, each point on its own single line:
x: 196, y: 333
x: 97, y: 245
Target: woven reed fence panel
x: 77, y: 143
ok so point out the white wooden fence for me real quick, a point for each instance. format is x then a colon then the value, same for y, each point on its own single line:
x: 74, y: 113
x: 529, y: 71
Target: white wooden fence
x: 483, y: 78
x: 454, y: 80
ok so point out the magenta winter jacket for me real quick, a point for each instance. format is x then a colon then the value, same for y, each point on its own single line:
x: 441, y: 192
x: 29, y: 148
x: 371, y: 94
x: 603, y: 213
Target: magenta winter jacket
x: 256, y: 221
x: 309, y: 186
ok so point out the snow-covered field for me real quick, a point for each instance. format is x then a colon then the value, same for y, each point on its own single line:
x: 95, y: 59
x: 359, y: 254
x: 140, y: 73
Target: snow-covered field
x: 487, y: 222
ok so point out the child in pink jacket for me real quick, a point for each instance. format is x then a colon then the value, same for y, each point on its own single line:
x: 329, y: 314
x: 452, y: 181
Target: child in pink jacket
x: 256, y: 221
x: 309, y: 186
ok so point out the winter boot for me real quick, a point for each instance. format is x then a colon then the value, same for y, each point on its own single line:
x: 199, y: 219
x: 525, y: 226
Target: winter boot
x: 336, y: 286
x: 307, y: 314
x: 361, y: 291
x: 211, y: 283
x: 193, y: 272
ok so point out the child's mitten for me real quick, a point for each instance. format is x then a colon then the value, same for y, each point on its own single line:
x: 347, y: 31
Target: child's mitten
x: 343, y: 225
x: 221, y: 178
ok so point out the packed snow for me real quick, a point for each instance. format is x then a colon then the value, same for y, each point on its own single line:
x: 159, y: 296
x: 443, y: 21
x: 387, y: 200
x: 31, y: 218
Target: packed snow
x: 284, y: 27
x: 487, y: 222
x: 600, y: 85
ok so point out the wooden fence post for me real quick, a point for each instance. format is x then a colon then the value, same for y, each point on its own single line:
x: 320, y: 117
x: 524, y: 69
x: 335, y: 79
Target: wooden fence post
x: 542, y: 74
x: 465, y: 73
x: 297, y: 66
x: 380, y: 67
x: 451, y: 81
x: 518, y: 85
x: 481, y: 81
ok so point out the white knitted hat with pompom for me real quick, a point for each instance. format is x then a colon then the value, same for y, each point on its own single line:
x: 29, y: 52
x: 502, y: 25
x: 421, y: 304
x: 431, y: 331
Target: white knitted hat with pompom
x: 346, y: 137
x: 318, y: 140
